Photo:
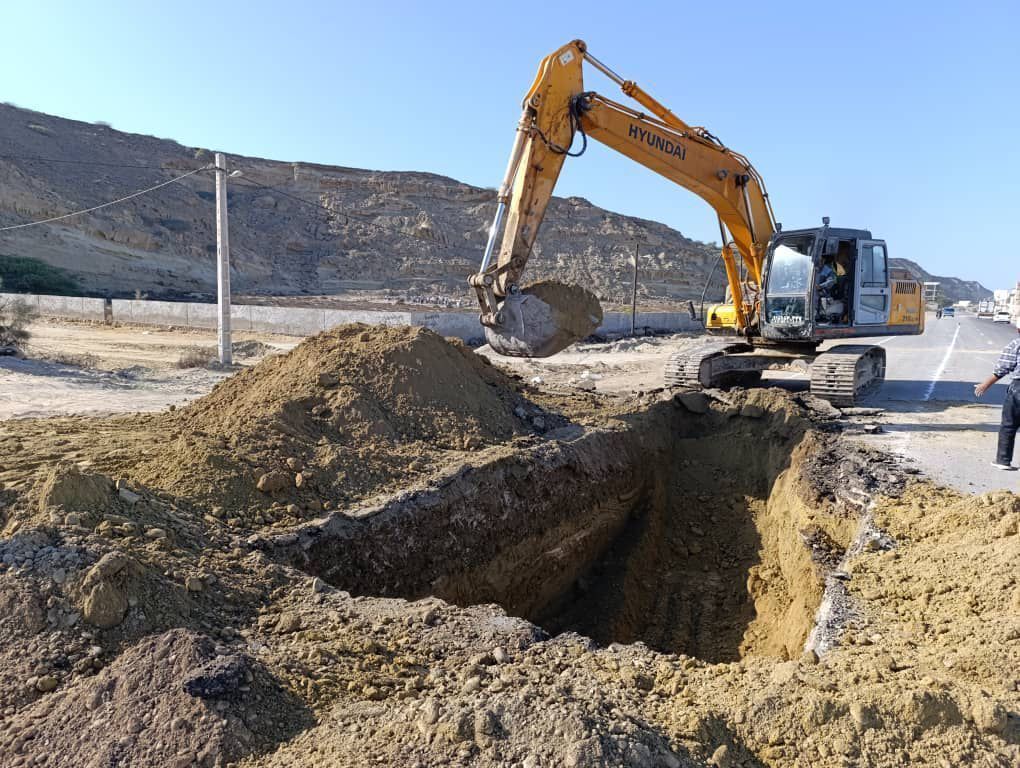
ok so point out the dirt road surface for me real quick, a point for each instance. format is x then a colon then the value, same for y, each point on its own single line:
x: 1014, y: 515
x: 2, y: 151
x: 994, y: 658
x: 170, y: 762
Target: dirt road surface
x: 74, y: 368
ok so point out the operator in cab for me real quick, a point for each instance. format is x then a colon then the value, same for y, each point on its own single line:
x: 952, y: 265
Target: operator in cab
x: 1008, y: 367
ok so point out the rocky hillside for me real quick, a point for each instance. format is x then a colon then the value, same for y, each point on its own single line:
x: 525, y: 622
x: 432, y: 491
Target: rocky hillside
x: 953, y: 288
x: 405, y: 234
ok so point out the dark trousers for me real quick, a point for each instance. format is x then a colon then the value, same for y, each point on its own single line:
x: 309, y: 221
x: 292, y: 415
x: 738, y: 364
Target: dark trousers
x: 1010, y: 423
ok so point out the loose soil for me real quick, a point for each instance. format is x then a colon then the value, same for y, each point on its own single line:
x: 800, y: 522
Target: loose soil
x: 576, y: 580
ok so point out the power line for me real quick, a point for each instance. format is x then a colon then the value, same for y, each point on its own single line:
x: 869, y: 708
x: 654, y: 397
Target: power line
x: 140, y: 192
x: 77, y: 162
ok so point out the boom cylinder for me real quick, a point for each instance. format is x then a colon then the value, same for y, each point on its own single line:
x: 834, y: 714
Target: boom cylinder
x: 503, y: 196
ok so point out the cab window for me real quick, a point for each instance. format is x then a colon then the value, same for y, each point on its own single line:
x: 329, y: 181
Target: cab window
x: 873, y: 268
x: 790, y: 270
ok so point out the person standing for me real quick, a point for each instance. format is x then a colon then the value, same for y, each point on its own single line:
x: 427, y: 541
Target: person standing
x: 1008, y: 365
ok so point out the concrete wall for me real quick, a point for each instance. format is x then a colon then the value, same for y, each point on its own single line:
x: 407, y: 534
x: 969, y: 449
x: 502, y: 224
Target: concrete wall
x: 305, y: 321
x: 74, y: 307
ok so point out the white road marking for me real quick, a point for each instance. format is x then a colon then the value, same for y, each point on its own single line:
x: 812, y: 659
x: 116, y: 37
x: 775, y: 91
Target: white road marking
x: 880, y: 342
x: 941, y: 368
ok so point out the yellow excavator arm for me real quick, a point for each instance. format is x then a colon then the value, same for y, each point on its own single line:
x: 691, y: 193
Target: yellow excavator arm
x: 558, y: 118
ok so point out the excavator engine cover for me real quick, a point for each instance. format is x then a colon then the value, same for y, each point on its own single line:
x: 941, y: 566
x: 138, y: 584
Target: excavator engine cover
x: 543, y: 319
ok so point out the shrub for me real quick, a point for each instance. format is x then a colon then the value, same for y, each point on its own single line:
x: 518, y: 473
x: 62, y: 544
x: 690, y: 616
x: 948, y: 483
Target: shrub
x: 22, y: 274
x: 76, y: 359
x: 15, y: 316
x: 196, y: 357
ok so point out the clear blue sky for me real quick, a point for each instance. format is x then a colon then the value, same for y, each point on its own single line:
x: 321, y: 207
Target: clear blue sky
x: 896, y: 116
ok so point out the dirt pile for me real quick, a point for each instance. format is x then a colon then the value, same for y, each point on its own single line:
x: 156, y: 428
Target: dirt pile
x: 706, y: 532
x: 347, y: 414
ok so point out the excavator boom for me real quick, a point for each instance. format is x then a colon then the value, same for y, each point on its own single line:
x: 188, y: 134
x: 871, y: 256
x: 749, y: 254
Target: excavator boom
x: 558, y: 118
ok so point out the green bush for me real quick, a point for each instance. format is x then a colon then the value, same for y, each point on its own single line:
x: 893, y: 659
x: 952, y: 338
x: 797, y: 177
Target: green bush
x: 22, y: 274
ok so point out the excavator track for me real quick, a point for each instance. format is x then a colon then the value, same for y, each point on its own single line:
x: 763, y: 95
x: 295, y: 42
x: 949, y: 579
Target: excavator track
x: 684, y: 368
x: 845, y: 374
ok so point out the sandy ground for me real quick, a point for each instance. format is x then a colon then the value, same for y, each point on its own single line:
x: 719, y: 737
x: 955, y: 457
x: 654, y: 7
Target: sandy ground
x: 92, y: 369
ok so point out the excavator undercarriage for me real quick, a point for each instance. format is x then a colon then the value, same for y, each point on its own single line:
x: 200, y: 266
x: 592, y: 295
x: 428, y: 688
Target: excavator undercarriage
x: 843, y: 375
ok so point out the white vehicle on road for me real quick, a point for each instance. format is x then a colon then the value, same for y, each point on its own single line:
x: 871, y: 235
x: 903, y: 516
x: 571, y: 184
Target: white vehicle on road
x: 1002, y: 316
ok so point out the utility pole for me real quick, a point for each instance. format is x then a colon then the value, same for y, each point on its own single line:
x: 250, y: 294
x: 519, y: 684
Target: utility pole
x: 222, y: 263
x: 633, y: 294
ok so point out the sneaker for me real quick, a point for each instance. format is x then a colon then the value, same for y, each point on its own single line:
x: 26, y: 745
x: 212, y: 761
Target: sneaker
x: 1005, y: 467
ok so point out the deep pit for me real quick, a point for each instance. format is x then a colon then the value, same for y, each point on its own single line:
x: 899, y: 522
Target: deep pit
x: 688, y: 532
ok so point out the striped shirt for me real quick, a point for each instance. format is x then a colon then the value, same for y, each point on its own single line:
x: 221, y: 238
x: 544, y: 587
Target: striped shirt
x: 1008, y: 363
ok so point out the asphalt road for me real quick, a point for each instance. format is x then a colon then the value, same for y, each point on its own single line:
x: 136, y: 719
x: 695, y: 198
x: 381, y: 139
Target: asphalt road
x: 944, y: 364
x: 932, y: 416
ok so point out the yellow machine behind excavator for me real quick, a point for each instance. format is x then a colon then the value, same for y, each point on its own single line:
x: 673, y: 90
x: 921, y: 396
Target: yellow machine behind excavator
x: 788, y: 291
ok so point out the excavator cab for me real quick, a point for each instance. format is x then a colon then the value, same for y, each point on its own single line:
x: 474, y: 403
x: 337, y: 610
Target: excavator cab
x: 824, y: 283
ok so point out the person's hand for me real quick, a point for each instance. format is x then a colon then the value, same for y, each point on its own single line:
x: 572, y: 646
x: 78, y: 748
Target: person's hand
x: 980, y: 389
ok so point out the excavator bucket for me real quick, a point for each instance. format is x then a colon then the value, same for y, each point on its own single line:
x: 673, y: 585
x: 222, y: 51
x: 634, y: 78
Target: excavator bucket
x: 543, y: 319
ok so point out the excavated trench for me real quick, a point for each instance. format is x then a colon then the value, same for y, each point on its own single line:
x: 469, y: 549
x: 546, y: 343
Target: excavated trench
x: 688, y: 532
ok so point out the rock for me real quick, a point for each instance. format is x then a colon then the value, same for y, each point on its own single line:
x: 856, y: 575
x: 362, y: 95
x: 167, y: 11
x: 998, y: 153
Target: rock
x: 430, y: 712
x: 722, y: 758
x: 500, y: 656
x: 472, y: 684
x: 46, y: 683
x: 487, y: 727
x: 300, y: 480
x: 520, y: 413
x: 155, y: 533
x: 822, y: 407
x: 273, y: 481
x: 695, y: 402
x: 106, y: 603
x: 809, y: 657
x: 873, y: 429
x: 194, y: 583
x: 318, y: 585
x: 989, y: 716
x: 417, y: 465
x: 295, y: 464
x: 752, y: 411
x: 222, y: 677
x: 288, y: 622
x: 72, y: 519
x: 126, y: 494
x: 864, y: 717
x: 328, y: 380
x: 538, y: 423
x: 471, y: 443
x: 105, y: 606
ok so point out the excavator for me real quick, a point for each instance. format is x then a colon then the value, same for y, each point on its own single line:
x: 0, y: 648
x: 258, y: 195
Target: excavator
x: 788, y: 291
